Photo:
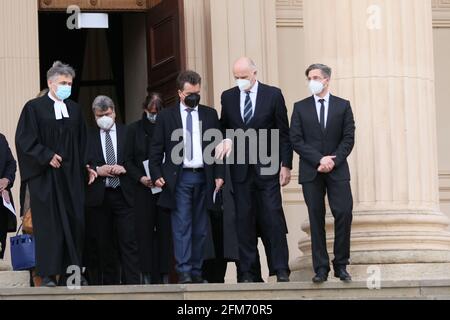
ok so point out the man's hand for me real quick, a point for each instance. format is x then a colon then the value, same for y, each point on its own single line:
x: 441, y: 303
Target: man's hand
x: 117, y: 170
x: 92, y: 175
x: 4, y: 183
x: 105, y: 171
x: 285, y: 176
x: 56, y: 161
x: 160, y: 183
x: 223, y: 149
x: 219, y: 184
x: 5, y: 195
x: 147, y: 182
x: 327, y: 163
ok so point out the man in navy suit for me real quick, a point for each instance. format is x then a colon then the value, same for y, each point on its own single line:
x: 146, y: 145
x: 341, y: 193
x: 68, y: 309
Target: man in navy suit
x: 255, y: 108
x: 323, y: 134
x: 8, y: 169
x: 188, y: 178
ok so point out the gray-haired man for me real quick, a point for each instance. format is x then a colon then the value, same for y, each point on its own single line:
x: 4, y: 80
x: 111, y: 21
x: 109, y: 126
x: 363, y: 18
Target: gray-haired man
x: 110, y: 215
x: 50, y: 142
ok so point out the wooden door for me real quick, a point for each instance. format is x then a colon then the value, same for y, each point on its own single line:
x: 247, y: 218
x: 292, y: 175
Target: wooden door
x: 166, y: 48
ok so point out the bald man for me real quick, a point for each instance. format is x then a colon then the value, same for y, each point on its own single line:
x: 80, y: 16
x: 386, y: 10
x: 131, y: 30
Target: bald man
x: 255, y: 107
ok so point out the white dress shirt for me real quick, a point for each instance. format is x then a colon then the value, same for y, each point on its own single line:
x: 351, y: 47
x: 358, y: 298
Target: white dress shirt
x: 319, y: 106
x: 113, y: 134
x: 197, y: 159
x: 60, y: 108
x: 253, y: 95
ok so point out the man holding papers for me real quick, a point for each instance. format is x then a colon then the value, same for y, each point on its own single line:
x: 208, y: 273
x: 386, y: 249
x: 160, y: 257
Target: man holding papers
x: 187, y: 177
x: 152, y: 222
x: 8, y: 168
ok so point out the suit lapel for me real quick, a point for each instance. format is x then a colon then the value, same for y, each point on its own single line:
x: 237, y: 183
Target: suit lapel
x: 120, y: 144
x: 260, y: 98
x: 313, y: 111
x: 236, y: 105
x: 177, y: 116
x: 331, y: 112
x: 98, y: 142
x: 203, y: 123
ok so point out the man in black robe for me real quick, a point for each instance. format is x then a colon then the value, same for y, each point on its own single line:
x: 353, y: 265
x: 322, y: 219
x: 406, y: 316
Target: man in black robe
x: 8, y: 168
x: 50, y: 142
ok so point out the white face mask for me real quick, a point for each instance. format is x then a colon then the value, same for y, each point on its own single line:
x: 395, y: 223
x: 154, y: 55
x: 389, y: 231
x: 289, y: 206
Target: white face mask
x: 244, y: 84
x: 316, y: 87
x: 152, y: 117
x: 105, y: 123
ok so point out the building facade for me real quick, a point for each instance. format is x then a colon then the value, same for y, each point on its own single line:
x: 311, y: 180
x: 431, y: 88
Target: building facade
x: 390, y: 58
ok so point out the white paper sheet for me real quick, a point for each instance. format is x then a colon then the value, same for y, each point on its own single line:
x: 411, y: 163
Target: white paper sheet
x: 155, y: 190
x: 9, y: 206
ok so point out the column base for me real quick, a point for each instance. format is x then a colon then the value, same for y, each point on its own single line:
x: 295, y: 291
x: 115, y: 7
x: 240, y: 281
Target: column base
x: 373, y: 271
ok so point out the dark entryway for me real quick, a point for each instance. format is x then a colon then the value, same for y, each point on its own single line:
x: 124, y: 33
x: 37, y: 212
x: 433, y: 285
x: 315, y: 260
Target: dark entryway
x: 139, y: 52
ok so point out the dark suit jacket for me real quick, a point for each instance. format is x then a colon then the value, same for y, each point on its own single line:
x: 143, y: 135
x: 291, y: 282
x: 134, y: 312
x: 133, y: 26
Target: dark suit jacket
x: 139, y: 136
x: 270, y: 113
x: 95, y: 193
x: 312, y: 144
x: 8, y: 169
x: 168, y: 121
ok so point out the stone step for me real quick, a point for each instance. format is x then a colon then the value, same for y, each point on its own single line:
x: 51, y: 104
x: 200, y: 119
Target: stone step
x: 265, y: 292
x: 11, y: 279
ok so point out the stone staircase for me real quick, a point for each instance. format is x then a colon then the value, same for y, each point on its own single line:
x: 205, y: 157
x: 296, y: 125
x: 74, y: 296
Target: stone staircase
x: 333, y: 290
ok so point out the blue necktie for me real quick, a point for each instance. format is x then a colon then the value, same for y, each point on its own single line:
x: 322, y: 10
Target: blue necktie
x: 190, y: 139
x: 248, y: 109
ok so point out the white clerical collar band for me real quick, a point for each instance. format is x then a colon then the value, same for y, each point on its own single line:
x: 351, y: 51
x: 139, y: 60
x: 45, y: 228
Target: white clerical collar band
x: 60, y: 108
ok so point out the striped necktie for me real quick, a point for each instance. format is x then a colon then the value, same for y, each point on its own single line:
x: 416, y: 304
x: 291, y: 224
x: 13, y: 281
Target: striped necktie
x: 111, y: 160
x: 248, y: 109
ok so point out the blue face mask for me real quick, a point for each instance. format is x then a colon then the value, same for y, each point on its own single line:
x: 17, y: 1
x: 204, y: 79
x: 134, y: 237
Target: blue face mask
x: 63, y: 92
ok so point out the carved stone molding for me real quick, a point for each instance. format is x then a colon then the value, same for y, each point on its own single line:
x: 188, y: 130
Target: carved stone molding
x: 441, y: 13
x: 290, y: 13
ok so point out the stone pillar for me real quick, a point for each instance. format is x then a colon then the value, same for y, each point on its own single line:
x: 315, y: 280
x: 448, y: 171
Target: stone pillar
x: 19, y: 82
x: 382, y: 55
x: 242, y: 28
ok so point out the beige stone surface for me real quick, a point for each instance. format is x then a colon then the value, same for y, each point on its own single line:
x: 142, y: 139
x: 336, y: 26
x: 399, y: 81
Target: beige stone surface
x: 389, y: 78
x: 261, y: 292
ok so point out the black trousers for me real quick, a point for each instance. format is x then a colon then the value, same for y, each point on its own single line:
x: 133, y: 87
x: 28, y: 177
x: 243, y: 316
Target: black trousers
x: 3, y: 230
x: 115, y: 238
x: 214, y: 270
x: 341, y: 204
x: 270, y: 219
x: 153, y: 235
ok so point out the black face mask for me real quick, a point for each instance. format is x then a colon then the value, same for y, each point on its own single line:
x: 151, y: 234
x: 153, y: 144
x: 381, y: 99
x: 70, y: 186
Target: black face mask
x: 192, y: 100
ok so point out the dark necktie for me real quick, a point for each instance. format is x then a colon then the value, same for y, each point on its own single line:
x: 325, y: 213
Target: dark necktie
x: 190, y: 139
x: 111, y: 160
x: 322, y: 114
x: 248, y: 109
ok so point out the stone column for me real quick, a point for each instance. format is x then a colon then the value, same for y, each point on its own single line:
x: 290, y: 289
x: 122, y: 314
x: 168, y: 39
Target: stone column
x: 19, y: 82
x: 382, y: 55
x: 242, y: 28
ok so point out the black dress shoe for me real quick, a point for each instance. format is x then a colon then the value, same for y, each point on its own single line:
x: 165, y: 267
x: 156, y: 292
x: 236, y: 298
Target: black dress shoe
x: 84, y: 282
x: 146, y: 279
x: 184, y: 278
x: 198, y: 280
x: 164, y: 278
x: 320, y: 277
x: 246, y: 278
x: 343, y: 275
x: 48, y: 282
x: 282, y: 276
